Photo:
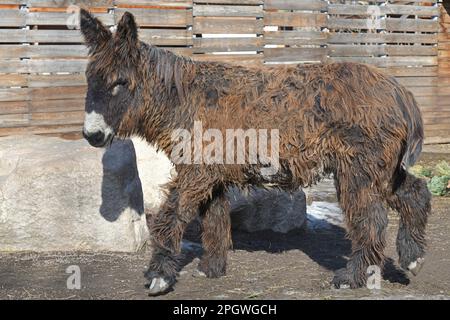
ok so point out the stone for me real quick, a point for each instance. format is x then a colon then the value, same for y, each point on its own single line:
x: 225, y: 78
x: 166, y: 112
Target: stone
x: 65, y: 195
x: 57, y: 194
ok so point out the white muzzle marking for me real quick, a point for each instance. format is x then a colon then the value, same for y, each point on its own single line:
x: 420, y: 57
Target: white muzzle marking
x: 94, y: 122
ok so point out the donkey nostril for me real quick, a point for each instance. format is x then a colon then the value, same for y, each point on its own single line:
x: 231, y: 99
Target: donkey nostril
x: 97, y: 138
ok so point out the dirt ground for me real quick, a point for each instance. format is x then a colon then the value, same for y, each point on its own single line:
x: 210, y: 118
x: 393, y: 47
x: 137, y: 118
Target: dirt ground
x: 266, y: 265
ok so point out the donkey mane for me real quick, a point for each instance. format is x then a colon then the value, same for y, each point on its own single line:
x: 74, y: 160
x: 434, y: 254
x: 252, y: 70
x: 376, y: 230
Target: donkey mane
x: 172, y: 69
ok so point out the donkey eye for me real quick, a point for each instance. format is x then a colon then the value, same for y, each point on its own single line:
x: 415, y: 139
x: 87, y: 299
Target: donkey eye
x: 117, y: 85
x: 116, y: 89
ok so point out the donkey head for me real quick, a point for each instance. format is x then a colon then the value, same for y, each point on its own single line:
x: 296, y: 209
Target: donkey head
x: 112, y: 73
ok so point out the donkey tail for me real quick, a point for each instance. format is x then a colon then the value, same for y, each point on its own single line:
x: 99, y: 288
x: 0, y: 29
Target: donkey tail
x: 415, y: 135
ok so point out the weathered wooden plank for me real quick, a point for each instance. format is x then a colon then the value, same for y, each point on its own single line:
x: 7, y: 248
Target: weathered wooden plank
x: 227, y: 44
x: 423, y: 91
x: 67, y: 3
x: 12, y: 35
x: 424, y: 2
x: 179, y: 50
x: 56, y: 80
x: 294, y: 54
x: 238, y: 59
x: 389, y: 24
x: 14, y: 107
x: 435, y: 119
x: 425, y: 102
x: 444, y: 36
x: 61, y: 18
x: 412, y: 71
x: 419, y: 25
x: 15, y: 119
x: 381, y: 38
x: 56, y: 105
x: 418, y: 81
x: 315, y: 5
x: 42, y: 66
x: 41, y: 18
x: 12, y: 18
x: 155, y: 3
x: 390, y: 61
x: 155, y: 36
x: 227, y: 25
x: 444, y: 46
x: 51, y: 118
x: 444, y: 81
x: 227, y: 11
x: 374, y: 10
x: 12, y: 51
x: 42, y: 51
x: 12, y: 2
x: 167, y: 37
x: 444, y: 90
x: 294, y: 19
x: 13, y: 80
x: 231, y: 1
x: 57, y: 93
x: 47, y: 36
x: 51, y: 129
x: 439, y: 126
x: 14, y: 94
x: 433, y: 114
x: 380, y: 50
x: 433, y: 139
x: 159, y: 17
x: 56, y: 51
x: 295, y: 37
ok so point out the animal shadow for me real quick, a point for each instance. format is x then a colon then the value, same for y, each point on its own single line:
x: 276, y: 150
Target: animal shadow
x: 328, y: 247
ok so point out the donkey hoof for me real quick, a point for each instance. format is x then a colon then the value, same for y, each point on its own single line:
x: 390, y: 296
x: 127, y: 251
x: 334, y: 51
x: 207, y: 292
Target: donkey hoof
x: 415, y: 266
x: 160, y: 285
x: 343, y: 280
x: 212, y: 267
x: 198, y: 274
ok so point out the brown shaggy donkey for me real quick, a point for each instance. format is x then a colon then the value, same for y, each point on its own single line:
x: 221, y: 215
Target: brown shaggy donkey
x: 344, y: 119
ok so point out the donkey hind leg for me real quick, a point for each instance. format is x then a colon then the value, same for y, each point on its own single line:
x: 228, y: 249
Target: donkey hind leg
x: 216, y: 237
x: 412, y: 201
x: 367, y: 221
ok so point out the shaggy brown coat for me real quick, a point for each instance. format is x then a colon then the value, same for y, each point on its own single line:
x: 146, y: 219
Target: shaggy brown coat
x: 341, y: 118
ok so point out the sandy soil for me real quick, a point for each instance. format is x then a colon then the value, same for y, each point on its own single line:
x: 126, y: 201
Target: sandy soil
x: 267, y: 265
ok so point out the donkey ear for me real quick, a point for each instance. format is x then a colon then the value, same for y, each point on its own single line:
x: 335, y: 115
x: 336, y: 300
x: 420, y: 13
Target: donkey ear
x: 94, y: 32
x: 127, y: 30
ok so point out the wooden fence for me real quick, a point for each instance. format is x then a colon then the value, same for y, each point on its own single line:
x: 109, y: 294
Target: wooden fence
x: 42, y: 58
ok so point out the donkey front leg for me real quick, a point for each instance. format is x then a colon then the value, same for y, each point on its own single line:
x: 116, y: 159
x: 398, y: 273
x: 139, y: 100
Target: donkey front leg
x: 216, y: 236
x: 167, y: 228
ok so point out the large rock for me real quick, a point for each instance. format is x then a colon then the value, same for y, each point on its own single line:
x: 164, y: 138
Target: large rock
x: 66, y: 195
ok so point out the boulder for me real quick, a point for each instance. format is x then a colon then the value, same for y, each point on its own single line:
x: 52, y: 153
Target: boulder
x: 66, y: 195
x: 58, y: 194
